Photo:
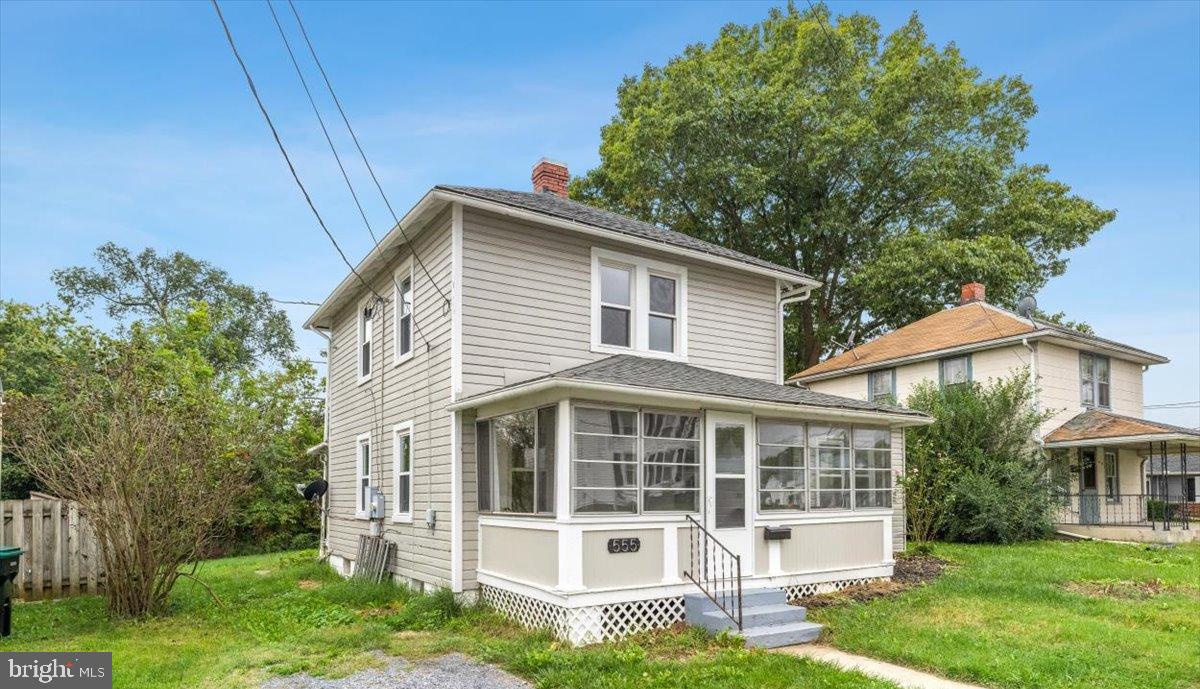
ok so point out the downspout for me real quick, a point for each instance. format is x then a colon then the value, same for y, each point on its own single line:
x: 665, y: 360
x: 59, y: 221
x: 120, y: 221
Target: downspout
x: 322, y: 541
x: 794, y: 295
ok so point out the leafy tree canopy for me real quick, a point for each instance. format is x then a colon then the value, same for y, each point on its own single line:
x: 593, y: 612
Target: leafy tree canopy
x: 884, y: 166
x: 147, y: 285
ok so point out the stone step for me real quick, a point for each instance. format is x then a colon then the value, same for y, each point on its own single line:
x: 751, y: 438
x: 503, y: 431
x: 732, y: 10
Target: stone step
x: 776, y: 635
x: 758, y: 616
x: 698, y: 603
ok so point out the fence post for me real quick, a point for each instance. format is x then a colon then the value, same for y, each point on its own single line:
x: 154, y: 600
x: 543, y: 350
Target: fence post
x: 73, y: 547
x: 19, y: 541
x: 56, y: 560
x: 37, y: 572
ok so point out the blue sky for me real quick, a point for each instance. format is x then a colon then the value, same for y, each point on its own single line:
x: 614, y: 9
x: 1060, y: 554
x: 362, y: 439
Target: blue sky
x: 131, y: 122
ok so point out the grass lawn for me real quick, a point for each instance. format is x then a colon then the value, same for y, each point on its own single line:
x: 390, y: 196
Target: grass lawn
x: 1047, y: 614
x: 284, y: 614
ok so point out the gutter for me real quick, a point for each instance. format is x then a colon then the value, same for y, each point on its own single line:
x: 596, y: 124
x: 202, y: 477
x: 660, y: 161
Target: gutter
x: 584, y: 386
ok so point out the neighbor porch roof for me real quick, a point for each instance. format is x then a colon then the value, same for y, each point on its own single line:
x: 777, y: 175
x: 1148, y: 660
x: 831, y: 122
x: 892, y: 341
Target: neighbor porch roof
x: 1095, y: 425
x: 625, y: 372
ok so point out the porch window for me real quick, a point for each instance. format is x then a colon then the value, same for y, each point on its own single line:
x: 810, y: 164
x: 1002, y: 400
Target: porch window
x: 363, y: 464
x: 403, y: 316
x: 516, y: 462
x: 780, y: 466
x: 954, y: 370
x: 402, y: 470
x: 616, y: 447
x: 366, y: 316
x: 829, y: 467
x: 872, y: 467
x: 670, y: 462
x: 1112, y: 476
x: 881, y: 385
x: 1094, y: 377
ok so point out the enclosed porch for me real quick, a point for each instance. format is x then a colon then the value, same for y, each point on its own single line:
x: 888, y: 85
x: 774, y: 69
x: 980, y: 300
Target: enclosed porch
x: 1113, y: 476
x: 602, y: 503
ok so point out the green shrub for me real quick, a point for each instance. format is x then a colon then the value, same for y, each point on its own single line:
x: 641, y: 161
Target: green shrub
x: 976, y: 474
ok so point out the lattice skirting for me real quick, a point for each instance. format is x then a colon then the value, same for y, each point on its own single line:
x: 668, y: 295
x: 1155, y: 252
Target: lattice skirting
x: 598, y: 623
x: 796, y: 591
x: 587, y: 625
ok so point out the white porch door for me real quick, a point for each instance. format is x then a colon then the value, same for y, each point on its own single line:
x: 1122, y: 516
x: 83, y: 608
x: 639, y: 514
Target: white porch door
x: 728, y: 473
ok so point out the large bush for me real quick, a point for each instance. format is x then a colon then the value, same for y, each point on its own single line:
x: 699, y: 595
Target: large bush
x: 976, y: 474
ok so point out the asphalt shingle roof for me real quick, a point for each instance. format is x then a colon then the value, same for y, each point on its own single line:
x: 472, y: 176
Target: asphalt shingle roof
x: 1097, y: 424
x: 661, y: 374
x: 566, y: 209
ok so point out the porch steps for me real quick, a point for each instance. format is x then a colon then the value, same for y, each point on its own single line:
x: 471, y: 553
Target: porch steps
x: 767, y: 619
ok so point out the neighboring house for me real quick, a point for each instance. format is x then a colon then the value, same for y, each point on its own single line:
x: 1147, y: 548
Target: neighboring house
x: 1091, y: 386
x: 572, y: 412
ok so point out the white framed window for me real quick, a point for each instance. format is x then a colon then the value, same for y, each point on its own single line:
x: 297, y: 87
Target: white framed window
x: 362, y: 463
x: 516, y: 455
x: 402, y: 314
x: 954, y: 370
x: 639, y: 306
x: 821, y: 467
x: 1094, y: 379
x: 365, y: 336
x: 634, y: 461
x: 402, y: 459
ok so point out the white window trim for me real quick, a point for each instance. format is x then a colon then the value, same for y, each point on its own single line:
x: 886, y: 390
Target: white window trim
x: 639, y: 326
x: 402, y: 429
x: 364, y: 329
x: 405, y: 271
x: 361, y: 510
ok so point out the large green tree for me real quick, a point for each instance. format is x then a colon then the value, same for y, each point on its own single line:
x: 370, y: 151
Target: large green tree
x: 150, y: 286
x: 884, y: 166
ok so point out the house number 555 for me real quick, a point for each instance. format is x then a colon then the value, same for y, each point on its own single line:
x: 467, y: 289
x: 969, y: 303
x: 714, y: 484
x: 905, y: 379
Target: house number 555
x: 624, y: 545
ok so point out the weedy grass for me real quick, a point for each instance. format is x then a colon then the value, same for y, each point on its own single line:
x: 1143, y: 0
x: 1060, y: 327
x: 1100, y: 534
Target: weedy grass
x: 1038, y: 615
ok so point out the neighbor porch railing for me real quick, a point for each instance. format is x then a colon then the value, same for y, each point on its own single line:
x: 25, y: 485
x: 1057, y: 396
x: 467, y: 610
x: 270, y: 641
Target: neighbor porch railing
x: 716, y: 570
x: 1128, y: 509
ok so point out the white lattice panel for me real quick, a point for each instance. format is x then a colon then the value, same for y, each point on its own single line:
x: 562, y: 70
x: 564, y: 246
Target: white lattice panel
x: 587, y: 625
x: 805, y: 590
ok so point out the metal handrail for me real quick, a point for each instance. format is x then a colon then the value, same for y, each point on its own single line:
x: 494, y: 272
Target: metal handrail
x: 715, y: 570
x: 1127, y: 509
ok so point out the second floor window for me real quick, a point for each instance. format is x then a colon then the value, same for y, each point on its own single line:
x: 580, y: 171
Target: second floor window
x: 404, y: 315
x: 954, y: 370
x: 1093, y: 380
x: 365, y: 320
x: 638, y: 306
x: 881, y: 385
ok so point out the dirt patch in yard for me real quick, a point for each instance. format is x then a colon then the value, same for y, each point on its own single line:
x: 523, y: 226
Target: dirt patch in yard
x: 1125, y: 589
x: 308, y: 584
x: 911, y: 570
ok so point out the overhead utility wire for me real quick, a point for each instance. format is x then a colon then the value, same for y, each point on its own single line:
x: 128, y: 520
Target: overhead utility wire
x: 282, y: 150
x: 299, y: 302
x: 321, y: 121
x: 358, y: 145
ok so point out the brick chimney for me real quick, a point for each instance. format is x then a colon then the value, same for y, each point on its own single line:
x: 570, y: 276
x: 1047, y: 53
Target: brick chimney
x: 551, y: 176
x: 973, y: 291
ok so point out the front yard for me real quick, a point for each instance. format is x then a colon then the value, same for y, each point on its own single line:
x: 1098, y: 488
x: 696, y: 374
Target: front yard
x: 1038, y: 615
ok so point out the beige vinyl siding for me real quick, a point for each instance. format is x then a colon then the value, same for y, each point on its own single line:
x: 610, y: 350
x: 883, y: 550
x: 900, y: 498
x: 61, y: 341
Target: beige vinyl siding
x: 418, y: 390
x: 527, y: 306
x: 899, y: 525
x: 470, y: 501
x: 837, y: 545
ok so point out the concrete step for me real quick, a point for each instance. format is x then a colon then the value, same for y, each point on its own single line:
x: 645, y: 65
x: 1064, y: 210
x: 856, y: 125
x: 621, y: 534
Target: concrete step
x: 776, y: 635
x: 698, y: 603
x: 758, y: 616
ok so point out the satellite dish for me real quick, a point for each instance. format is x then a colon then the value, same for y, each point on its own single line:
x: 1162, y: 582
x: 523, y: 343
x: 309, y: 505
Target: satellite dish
x: 1027, y: 306
x: 314, y: 490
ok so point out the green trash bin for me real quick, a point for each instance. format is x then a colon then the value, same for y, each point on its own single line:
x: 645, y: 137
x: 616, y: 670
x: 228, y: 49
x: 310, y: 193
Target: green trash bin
x: 10, y: 564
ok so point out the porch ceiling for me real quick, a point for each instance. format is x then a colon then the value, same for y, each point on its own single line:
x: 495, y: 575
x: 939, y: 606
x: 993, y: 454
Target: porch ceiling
x: 1095, y: 427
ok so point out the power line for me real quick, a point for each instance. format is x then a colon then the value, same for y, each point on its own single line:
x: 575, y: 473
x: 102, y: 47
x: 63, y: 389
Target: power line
x: 283, y: 151
x: 1173, y: 405
x: 358, y: 145
x: 321, y: 121
x: 298, y: 302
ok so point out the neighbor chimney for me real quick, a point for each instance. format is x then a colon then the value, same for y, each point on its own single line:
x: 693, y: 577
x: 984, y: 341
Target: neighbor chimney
x: 551, y: 176
x: 972, y: 291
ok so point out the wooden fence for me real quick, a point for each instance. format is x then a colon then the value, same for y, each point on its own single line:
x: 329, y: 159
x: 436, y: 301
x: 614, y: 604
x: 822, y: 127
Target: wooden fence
x: 60, y: 555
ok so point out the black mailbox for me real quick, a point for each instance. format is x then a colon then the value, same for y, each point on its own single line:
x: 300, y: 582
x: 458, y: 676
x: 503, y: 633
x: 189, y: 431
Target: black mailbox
x: 777, y: 533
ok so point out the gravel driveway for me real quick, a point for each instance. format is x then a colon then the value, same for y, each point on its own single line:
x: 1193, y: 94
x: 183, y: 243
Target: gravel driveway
x: 453, y: 671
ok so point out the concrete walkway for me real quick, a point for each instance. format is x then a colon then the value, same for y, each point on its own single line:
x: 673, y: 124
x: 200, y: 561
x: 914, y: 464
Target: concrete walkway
x: 903, y: 676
